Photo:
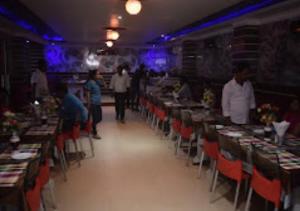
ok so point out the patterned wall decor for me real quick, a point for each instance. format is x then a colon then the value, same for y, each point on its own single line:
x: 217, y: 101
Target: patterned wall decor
x: 73, y: 59
x: 279, y: 54
x: 214, y: 57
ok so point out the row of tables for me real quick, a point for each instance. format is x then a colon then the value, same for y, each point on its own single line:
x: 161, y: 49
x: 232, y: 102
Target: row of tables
x: 288, y: 153
x: 18, y: 175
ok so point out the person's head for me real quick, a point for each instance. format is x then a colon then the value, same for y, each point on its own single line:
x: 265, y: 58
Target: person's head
x: 94, y: 74
x: 242, y: 72
x: 42, y: 65
x: 294, y: 105
x: 142, y: 66
x: 183, y: 80
x: 120, y: 69
x: 61, y: 90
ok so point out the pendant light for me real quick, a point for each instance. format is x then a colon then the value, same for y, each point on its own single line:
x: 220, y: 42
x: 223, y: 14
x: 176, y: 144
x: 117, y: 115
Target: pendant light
x: 133, y: 7
x: 109, y: 43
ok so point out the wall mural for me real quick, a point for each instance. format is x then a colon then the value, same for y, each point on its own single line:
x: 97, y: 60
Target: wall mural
x: 74, y: 59
x: 214, y: 57
x: 279, y: 54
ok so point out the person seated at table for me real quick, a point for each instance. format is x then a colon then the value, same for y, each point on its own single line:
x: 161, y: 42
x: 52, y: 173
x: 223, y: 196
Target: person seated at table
x: 238, y: 96
x: 293, y: 117
x: 184, y: 92
x: 72, y: 109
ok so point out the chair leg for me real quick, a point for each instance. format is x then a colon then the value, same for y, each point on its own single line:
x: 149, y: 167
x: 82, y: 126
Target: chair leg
x: 214, y: 185
x: 248, y: 202
x: 62, y: 164
x: 189, y: 152
x: 92, y: 145
x: 178, y: 145
x: 77, y: 153
x: 156, y: 125
x: 237, y: 192
x: 201, y: 163
x: 214, y: 174
x: 52, y: 195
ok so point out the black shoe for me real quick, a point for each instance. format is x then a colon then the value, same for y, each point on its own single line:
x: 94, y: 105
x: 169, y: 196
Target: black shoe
x: 122, y: 121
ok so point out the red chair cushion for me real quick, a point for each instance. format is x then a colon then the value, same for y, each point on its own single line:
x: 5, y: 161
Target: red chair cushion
x: 268, y: 189
x: 33, y: 196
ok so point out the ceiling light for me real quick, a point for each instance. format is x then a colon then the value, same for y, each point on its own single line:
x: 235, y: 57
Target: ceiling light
x: 120, y: 17
x: 133, y: 7
x: 109, y: 44
x: 112, y: 35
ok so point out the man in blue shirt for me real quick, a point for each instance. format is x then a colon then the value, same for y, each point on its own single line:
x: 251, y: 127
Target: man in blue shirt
x: 72, y: 109
x: 93, y: 87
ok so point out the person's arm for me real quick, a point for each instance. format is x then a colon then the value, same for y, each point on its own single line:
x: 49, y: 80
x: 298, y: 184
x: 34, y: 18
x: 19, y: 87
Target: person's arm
x: 33, y: 82
x: 252, y: 104
x: 112, y: 83
x: 226, y: 103
x: 88, y: 95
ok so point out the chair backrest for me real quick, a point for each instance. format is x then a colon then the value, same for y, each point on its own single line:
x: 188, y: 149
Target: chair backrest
x: 266, y: 188
x: 186, y: 119
x: 33, y: 196
x: 211, y: 149
x: 44, y: 173
x: 267, y: 163
x: 231, y: 146
x: 209, y: 132
x: 76, y: 131
x: 176, y: 114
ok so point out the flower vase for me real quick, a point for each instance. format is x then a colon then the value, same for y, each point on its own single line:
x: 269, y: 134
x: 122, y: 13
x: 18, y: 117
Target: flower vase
x: 14, y: 140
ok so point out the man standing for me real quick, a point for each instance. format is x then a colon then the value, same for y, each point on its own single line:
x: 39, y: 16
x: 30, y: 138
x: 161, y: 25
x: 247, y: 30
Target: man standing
x: 238, y: 96
x: 39, y: 81
x: 93, y: 88
x: 119, y: 84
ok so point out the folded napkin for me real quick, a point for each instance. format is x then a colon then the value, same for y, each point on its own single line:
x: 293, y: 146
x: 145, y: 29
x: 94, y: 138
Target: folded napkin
x: 281, y: 127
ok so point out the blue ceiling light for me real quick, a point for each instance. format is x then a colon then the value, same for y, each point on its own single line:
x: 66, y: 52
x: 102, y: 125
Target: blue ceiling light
x: 17, y: 13
x: 227, y: 14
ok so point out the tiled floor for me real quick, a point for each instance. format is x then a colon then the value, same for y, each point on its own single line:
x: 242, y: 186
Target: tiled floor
x: 134, y: 170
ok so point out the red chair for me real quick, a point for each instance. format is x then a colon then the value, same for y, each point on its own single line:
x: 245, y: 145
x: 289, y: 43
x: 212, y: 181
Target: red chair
x: 44, y: 177
x: 33, y: 196
x: 74, y: 135
x: 161, y: 117
x: 268, y: 189
x: 175, y: 125
x: 150, y: 109
x: 44, y: 173
x: 210, y: 149
x: 186, y: 136
x: 232, y: 169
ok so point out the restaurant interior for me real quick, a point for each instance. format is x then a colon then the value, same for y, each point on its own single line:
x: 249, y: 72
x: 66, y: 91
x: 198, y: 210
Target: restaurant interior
x: 149, y: 105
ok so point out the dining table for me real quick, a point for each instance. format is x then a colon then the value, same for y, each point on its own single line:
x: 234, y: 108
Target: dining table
x: 20, y: 166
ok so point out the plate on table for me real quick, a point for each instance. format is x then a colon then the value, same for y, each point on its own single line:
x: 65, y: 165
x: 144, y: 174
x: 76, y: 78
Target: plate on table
x: 21, y: 155
x: 219, y: 127
x: 234, y: 134
x: 259, y: 131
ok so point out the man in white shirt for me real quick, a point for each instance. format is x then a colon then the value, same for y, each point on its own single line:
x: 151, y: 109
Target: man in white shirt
x: 39, y: 81
x: 238, y: 96
x: 119, y: 84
